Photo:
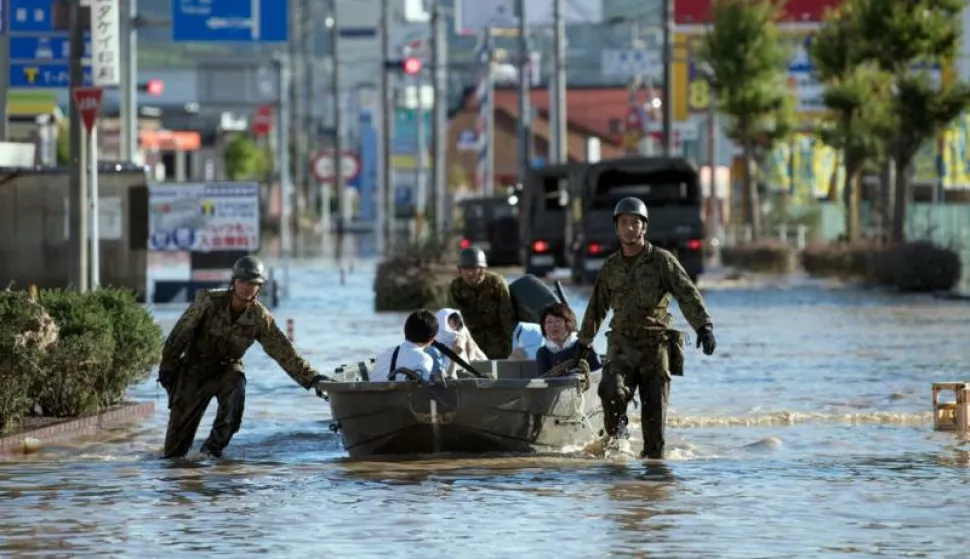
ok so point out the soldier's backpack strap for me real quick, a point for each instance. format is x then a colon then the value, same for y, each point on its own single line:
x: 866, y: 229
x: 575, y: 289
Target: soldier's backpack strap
x: 394, y: 358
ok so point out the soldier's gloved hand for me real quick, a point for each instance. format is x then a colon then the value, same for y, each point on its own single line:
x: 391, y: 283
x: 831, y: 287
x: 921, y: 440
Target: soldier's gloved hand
x: 315, y: 384
x: 705, y: 337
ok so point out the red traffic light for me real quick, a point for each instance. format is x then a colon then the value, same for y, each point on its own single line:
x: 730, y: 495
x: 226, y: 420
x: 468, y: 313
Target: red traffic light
x: 412, y: 65
x: 155, y: 87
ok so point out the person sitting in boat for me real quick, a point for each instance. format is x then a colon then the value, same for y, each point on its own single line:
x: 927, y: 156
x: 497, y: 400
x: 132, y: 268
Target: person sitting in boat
x: 452, y: 333
x: 420, y: 329
x: 526, y: 341
x: 559, y: 328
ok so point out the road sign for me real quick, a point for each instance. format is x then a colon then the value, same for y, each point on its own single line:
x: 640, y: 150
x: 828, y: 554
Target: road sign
x: 44, y: 47
x: 43, y: 75
x: 238, y: 21
x: 88, y: 101
x: 32, y: 16
x: 105, y: 33
x: 263, y: 120
x: 323, y: 166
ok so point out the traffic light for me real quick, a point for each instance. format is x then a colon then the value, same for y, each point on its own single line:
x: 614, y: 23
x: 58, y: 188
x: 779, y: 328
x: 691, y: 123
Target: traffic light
x: 153, y: 87
x: 410, y: 65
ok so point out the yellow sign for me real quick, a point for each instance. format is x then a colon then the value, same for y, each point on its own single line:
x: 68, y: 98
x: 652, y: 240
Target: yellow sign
x: 208, y: 207
x: 30, y: 72
x: 697, y: 98
x: 31, y: 102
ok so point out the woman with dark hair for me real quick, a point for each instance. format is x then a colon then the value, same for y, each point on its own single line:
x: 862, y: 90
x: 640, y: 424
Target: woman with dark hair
x: 559, y: 328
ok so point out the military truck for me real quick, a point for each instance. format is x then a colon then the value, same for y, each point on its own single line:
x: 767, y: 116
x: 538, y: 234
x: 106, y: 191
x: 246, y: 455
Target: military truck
x: 671, y: 189
x: 543, y: 205
x: 492, y: 224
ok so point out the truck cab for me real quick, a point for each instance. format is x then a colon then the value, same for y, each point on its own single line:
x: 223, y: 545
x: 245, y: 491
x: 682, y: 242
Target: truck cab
x: 491, y: 224
x: 544, y: 227
x: 670, y: 187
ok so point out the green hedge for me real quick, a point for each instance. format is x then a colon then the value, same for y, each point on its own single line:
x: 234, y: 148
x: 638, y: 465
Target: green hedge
x: 772, y: 257
x: 918, y: 266
x: 105, y: 343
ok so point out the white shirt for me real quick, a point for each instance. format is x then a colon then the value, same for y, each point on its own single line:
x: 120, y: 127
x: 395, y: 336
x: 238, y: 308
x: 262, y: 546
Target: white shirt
x: 409, y: 356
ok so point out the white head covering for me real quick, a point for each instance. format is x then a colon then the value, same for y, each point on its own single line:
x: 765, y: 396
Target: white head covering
x: 446, y: 334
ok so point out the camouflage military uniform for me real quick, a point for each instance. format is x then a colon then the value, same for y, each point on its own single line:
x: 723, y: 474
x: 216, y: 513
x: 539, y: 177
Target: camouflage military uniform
x: 638, y: 289
x: 487, y: 311
x: 214, y: 344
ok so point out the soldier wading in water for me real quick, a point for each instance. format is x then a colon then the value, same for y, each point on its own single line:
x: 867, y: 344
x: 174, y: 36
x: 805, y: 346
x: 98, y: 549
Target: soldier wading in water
x: 202, y: 359
x: 485, y: 303
x: 643, y: 351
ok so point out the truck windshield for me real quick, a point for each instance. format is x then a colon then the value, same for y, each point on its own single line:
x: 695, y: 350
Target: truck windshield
x: 655, y: 189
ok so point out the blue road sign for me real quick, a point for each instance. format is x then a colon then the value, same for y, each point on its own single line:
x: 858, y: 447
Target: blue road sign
x: 53, y: 48
x: 236, y: 21
x: 57, y: 75
x: 32, y: 16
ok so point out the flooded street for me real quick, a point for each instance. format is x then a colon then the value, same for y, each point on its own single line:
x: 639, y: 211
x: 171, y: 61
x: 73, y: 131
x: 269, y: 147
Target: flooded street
x: 808, y: 434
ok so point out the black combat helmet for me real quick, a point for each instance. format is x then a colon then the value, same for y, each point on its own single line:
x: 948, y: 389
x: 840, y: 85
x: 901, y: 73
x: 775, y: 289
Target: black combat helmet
x: 249, y: 269
x: 472, y: 257
x: 633, y: 206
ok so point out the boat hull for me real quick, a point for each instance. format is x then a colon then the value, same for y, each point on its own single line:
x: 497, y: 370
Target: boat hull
x: 473, y: 416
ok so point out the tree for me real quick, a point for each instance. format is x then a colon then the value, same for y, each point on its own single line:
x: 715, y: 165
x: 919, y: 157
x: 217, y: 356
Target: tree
x: 902, y: 39
x: 244, y: 160
x: 747, y: 65
x: 857, y: 94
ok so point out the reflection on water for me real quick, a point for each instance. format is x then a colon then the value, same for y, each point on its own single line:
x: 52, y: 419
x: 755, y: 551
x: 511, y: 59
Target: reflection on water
x: 807, y: 435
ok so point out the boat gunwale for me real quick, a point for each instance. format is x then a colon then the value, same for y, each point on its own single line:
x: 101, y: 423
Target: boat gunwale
x: 464, y: 383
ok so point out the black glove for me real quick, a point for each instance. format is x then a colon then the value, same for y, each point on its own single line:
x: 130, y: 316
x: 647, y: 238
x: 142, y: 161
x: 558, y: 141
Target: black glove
x: 315, y: 385
x: 705, y: 337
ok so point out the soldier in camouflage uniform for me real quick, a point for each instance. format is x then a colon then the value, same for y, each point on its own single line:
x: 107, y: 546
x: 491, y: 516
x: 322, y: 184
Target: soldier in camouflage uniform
x: 637, y: 282
x: 202, y: 359
x: 485, y: 303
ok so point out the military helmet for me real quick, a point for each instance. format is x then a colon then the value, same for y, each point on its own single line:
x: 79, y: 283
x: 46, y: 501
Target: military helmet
x: 249, y: 269
x: 630, y: 205
x: 472, y: 257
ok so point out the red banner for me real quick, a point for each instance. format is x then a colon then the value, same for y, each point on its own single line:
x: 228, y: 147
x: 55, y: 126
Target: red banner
x: 696, y: 12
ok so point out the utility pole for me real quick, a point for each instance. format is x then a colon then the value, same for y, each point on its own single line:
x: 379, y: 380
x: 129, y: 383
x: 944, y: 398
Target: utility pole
x: 561, y: 130
x: 129, y: 80
x: 78, y: 197
x: 668, y: 60
x: 338, y: 144
x: 382, y: 229
x: 525, y: 86
x: 299, y: 60
x: 286, y: 179
x: 421, y: 179
x: 439, y: 132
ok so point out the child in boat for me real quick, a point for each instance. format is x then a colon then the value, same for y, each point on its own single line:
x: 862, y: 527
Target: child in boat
x: 558, y: 324
x: 452, y: 333
x: 526, y: 340
x: 420, y: 329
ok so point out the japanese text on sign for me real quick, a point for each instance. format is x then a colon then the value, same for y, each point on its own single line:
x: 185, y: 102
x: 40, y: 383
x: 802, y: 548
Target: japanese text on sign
x: 203, y: 217
x: 105, y: 42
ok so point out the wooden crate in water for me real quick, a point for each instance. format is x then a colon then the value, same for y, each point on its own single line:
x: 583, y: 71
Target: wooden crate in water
x: 952, y: 416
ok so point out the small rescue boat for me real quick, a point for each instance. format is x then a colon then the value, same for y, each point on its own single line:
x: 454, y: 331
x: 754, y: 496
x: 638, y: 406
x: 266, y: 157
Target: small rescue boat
x: 498, y: 406
x: 512, y: 412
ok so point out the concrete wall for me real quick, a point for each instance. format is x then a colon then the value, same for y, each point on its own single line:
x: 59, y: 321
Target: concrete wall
x: 33, y: 228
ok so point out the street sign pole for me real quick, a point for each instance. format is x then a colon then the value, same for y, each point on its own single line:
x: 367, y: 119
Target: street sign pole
x: 286, y: 182
x: 87, y: 101
x: 78, y: 183
x: 95, y: 209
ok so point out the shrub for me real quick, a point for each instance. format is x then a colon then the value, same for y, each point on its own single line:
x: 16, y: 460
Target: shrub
x: 772, y: 257
x: 841, y: 260
x: 75, y: 368
x: 138, y: 343
x: 415, y: 276
x: 918, y: 266
x: 22, y: 322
